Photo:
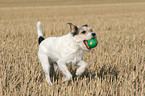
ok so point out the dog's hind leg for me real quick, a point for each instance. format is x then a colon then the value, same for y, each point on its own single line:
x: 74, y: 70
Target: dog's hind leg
x: 46, y: 66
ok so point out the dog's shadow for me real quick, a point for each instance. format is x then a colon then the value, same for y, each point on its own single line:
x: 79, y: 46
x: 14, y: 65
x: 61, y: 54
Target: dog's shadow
x: 105, y: 72
x: 88, y: 74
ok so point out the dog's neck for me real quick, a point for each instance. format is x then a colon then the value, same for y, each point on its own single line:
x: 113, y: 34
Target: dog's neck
x: 74, y: 42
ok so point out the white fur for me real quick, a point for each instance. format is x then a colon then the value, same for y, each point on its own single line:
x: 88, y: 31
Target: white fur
x: 39, y: 29
x: 61, y: 51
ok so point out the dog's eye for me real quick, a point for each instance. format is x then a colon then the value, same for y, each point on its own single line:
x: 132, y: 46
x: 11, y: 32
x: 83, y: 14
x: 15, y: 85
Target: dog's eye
x: 84, y: 32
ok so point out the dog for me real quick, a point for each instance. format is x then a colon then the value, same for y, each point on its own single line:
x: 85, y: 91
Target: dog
x: 64, y: 50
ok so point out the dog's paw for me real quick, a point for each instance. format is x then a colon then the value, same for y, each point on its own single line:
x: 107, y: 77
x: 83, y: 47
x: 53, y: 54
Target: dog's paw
x: 55, y: 67
x: 49, y: 83
x: 66, y: 79
x: 79, y: 72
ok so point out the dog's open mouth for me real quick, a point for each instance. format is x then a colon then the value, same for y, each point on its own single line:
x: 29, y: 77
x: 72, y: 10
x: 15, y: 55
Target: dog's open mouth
x: 86, y: 44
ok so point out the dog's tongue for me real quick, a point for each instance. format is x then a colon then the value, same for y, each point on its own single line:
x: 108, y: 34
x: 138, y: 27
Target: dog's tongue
x: 86, y: 43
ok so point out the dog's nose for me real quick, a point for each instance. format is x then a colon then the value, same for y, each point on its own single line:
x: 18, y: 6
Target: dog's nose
x: 93, y: 34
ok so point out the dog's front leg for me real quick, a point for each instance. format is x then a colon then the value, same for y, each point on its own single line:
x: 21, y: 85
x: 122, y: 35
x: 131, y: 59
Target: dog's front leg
x: 64, y: 69
x: 82, y: 65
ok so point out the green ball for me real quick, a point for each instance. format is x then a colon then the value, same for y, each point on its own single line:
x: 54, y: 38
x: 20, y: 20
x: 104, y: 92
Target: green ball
x: 92, y: 42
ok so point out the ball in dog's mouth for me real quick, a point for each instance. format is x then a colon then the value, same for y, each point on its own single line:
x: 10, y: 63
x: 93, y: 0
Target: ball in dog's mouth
x: 92, y: 43
x: 86, y: 44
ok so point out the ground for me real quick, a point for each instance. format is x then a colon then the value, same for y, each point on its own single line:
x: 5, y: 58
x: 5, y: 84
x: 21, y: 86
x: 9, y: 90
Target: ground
x: 116, y: 65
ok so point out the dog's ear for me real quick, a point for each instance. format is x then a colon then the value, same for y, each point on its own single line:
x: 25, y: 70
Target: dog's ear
x: 73, y: 28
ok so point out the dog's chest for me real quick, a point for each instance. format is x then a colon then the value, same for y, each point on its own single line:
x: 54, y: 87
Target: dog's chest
x: 74, y: 57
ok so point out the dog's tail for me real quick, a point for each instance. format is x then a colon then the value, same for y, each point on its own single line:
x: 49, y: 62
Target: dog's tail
x: 39, y: 31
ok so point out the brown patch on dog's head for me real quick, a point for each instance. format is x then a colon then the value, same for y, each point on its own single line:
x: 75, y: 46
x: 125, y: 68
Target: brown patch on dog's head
x: 73, y: 29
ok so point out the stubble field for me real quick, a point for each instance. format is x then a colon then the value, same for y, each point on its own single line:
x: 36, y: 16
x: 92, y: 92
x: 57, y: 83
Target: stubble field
x: 116, y: 66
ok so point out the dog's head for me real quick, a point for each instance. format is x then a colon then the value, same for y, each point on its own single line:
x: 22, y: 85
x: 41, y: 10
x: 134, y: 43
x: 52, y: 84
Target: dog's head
x: 82, y: 35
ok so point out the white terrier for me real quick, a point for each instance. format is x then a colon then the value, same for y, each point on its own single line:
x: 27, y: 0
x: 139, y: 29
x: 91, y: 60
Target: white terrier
x: 61, y: 51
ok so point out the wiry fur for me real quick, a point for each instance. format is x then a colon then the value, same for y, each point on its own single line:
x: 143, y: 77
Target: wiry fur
x: 64, y: 50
